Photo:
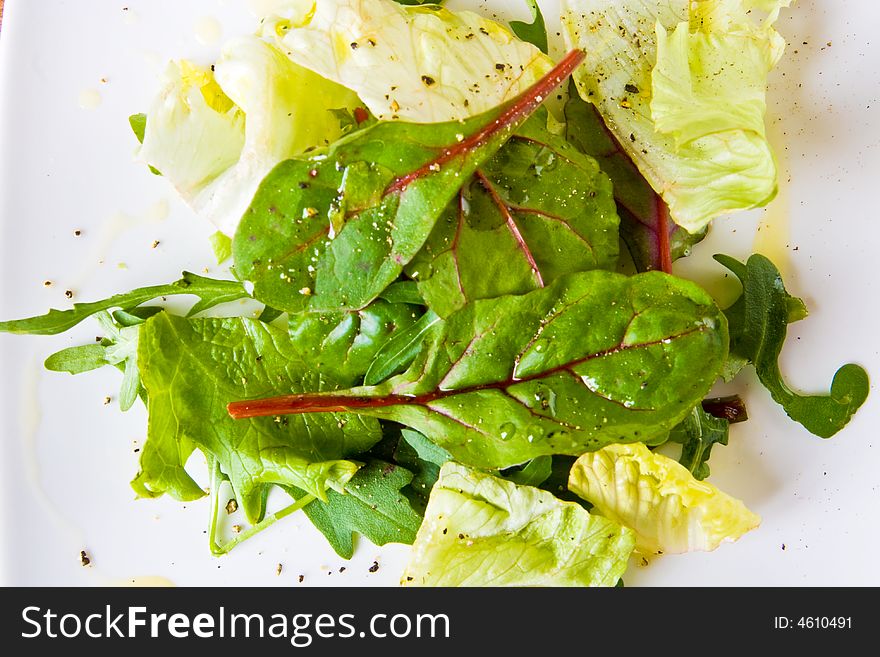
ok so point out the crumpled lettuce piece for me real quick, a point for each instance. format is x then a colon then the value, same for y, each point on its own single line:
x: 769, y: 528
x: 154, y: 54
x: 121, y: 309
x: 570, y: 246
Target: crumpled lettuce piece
x: 480, y: 530
x: 667, y: 508
x: 216, y: 134
x: 682, y: 85
x: 421, y: 64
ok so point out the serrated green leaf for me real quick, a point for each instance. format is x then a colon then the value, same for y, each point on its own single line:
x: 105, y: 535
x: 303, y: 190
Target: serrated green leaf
x: 759, y: 321
x: 697, y: 434
x: 192, y: 368
x: 209, y: 291
x: 534, y: 32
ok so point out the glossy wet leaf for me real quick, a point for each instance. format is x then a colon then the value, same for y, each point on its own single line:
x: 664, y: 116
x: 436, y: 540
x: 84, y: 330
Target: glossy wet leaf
x: 594, y: 358
x: 330, y: 232
x: 536, y: 211
x: 697, y: 434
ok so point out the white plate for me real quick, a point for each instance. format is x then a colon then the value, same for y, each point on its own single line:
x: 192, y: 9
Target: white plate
x: 67, y: 458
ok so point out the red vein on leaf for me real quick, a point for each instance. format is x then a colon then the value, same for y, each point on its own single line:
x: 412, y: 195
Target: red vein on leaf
x: 521, y: 107
x: 336, y: 403
x: 662, y: 214
x: 511, y: 224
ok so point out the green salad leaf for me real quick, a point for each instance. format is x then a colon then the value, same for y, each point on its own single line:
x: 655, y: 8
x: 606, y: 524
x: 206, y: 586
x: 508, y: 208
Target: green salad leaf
x: 536, y: 211
x: 697, y: 434
x: 594, y: 358
x: 481, y: 530
x: 330, y: 232
x: 667, y: 508
x: 190, y: 367
x: 210, y: 292
x: 215, y: 132
x: 372, y: 505
x: 759, y: 323
x: 682, y: 86
x: 534, y: 32
x: 345, y: 345
x: 436, y: 65
x: 654, y: 241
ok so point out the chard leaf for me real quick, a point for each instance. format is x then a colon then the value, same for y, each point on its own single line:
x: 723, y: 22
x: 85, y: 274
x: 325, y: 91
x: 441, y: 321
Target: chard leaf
x: 697, y: 434
x: 343, y: 346
x: 190, y: 367
x: 209, y: 291
x: 534, y: 32
x: 538, y: 210
x: 652, y: 238
x: 332, y: 231
x: 403, y: 292
x: 667, y: 508
x: 592, y: 359
x: 759, y: 323
x: 481, y: 530
x: 372, y: 505
x: 419, y: 64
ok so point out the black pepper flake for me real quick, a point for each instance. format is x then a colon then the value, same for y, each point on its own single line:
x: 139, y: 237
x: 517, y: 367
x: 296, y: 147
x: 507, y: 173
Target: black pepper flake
x: 77, y: 233
x: 409, y: 579
x: 68, y: 294
x: 301, y: 578
x: 374, y: 567
x: 155, y: 244
x: 631, y: 88
x: 428, y: 80
x: 47, y: 283
x: 500, y: 67
x: 278, y: 569
x: 84, y: 558
x: 304, y: 185
x: 632, y: 137
x: 354, y: 45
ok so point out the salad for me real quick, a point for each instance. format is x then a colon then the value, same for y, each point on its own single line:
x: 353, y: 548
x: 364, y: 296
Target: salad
x: 449, y: 353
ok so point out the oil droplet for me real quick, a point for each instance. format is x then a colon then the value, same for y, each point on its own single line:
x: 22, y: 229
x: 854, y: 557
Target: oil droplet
x: 508, y: 430
x: 208, y: 31
x: 89, y: 99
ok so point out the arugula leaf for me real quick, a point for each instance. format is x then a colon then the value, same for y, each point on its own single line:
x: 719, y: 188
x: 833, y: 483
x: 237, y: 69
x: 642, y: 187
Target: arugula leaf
x: 344, y: 345
x: 481, y: 530
x: 190, y: 367
x: 652, y: 238
x: 118, y: 347
x: 424, y: 459
x: 331, y: 232
x: 210, y: 292
x: 592, y: 359
x: 534, y: 32
x: 372, y: 505
x: 399, y: 351
x: 538, y: 210
x: 533, y: 473
x: 759, y: 324
x: 697, y: 434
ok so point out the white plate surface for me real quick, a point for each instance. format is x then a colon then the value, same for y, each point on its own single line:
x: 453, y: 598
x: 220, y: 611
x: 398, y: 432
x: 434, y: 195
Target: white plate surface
x: 66, y: 458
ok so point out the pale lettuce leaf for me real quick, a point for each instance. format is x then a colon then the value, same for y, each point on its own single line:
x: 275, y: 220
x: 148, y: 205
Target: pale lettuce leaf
x: 215, y: 134
x: 421, y: 64
x: 682, y: 85
x: 667, y: 508
x: 480, y: 530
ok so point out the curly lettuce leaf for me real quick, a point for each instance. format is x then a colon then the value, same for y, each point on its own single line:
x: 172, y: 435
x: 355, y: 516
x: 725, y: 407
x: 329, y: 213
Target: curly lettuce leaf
x: 480, y: 530
x: 421, y: 64
x: 216, y: 132
x: 682, y: 85
x: 667, y: 508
